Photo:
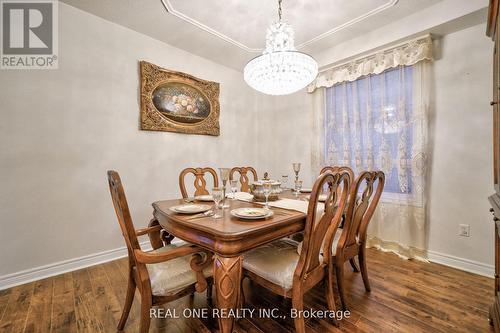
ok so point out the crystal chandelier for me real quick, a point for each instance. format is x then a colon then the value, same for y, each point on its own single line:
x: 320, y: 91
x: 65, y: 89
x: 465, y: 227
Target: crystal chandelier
x: 281, y: 69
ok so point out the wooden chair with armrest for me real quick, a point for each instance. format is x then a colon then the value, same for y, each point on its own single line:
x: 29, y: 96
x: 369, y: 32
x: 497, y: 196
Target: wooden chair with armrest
x: 350, y: 241
x: 244, y: 180
x: 200, y: 183
x: 280, y: 268
x: 162, y: 275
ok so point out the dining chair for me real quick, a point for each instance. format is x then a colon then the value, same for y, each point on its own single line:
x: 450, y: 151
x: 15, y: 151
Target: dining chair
x: 350, y: 241
x: 351, y: 173
x: 338, y: 169
x: 162, y: 275
x: 200, y: 183
x: 244, y: 181
x: 280, y: 268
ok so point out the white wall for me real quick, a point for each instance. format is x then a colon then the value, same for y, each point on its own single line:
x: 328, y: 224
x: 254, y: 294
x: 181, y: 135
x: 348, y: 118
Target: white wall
x: 285, y: 135
x: 461, y: 169
x: 62, y: 129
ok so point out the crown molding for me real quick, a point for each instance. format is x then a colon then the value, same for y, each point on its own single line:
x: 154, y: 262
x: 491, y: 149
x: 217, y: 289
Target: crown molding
x: 168, y: 6
x: 170, y: 9
x: 360, y: 18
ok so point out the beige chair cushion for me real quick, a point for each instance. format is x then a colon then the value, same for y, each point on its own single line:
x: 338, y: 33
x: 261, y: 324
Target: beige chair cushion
x: 171, y: 276
x: 334, y: 244
x: 274, y: 262
x: 179, y: 242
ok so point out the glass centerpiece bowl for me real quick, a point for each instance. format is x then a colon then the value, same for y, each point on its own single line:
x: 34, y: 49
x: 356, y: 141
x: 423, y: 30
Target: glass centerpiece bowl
x: 257, y: 189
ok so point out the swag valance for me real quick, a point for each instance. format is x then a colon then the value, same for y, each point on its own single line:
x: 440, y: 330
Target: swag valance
x: 408, y: 53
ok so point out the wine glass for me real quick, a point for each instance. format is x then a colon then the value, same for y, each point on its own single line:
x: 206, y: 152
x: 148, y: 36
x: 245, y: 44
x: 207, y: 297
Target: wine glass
x: 296, y: 169
x: 217, y: 197
x: 266, y: 188
x: 284, y: 180
x: 298, y: 187
x: 234, y: 187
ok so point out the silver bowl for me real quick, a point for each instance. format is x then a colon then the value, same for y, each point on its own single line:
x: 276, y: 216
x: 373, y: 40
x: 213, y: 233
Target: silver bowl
x: 257, y: 189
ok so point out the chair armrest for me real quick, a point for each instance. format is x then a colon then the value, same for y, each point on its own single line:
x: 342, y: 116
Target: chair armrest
x: 155, y: 258
x: 198, y: 264
x: 198, y: 261
x: 154, y: 232
x: 148, y: 230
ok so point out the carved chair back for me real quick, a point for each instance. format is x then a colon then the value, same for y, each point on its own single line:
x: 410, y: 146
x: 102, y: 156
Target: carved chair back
x: 320, y: 232
x: 125, y: 220
x: 244, y: 181
x: 367, y: 191
x: 200, y: 183
x: 339, y: 169
x: 335, y: 169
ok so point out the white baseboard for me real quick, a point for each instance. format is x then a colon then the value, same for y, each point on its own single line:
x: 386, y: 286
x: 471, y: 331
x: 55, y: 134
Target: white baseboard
x: 30, y: 275
x: 37, y: 273
x: 462, y: 264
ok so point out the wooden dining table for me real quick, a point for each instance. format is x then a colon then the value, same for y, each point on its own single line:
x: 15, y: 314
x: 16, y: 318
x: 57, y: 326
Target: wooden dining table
x: 229, y: 238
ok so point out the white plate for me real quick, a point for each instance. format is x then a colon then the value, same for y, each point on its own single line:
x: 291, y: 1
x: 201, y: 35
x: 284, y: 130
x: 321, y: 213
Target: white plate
x: 251, y: 213
x: 206, y: 197
x: 306, y: 190
x: 190, y: 208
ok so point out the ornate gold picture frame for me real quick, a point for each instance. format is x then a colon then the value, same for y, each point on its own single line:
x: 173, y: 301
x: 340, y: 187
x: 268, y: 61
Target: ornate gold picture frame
x: 178, y: 102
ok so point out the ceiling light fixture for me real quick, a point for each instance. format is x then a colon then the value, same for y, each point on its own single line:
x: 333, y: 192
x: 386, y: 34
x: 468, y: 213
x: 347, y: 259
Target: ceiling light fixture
x: 281, y: 69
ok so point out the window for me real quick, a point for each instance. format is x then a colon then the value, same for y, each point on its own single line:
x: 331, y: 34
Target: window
x: 370, y: 125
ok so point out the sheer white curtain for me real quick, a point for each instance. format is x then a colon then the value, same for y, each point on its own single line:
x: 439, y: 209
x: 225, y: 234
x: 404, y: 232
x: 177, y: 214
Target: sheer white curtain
x: 379, y: 122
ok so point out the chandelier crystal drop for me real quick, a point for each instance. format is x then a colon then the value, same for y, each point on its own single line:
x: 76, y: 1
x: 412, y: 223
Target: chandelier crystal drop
x: 281, y: 69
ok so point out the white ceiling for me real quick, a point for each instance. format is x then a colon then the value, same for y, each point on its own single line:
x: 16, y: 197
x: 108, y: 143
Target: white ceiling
x: 233, y: 31
x: 233, y: 20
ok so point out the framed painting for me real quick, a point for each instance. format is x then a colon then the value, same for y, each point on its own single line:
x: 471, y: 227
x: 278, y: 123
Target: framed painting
x: 178, y: 102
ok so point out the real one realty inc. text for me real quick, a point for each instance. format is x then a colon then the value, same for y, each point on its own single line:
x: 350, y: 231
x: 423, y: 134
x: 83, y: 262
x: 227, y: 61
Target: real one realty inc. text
x: 273, y: 313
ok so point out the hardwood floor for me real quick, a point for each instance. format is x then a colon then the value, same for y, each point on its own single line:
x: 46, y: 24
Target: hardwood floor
x: 407, y: 296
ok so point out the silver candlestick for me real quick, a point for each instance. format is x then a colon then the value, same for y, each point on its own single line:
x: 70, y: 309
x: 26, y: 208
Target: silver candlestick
x: 224, y: 175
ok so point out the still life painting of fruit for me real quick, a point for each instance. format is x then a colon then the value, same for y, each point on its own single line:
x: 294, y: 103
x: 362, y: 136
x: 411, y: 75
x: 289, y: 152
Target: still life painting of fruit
x: 178, y: 102
x: 181, y: 102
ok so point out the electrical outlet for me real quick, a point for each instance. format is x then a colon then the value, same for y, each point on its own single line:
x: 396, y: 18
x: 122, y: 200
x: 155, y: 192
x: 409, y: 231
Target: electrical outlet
x: 464, y: 230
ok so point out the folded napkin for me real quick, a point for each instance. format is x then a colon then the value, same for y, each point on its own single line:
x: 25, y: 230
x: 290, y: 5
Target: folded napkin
x: 285, y: 203
x: 301, y: 206
x: 242, y: 196
x: 294, y: 204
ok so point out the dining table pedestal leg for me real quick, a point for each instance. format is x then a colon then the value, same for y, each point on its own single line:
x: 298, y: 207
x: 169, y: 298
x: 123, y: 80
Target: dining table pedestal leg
x: 227, y: 275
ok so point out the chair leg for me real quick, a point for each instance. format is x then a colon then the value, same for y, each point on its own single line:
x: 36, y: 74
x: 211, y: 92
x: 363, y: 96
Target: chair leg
x: 298, y: 304
x: 242, y: 294
x: 329, y: 290
x: 145, y: 317
x: 330, y: 298
x: 128, y: 303
x: 209, y: 291
x: 354, y: 265
x: 339, y: 272
x: 362, y: 264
